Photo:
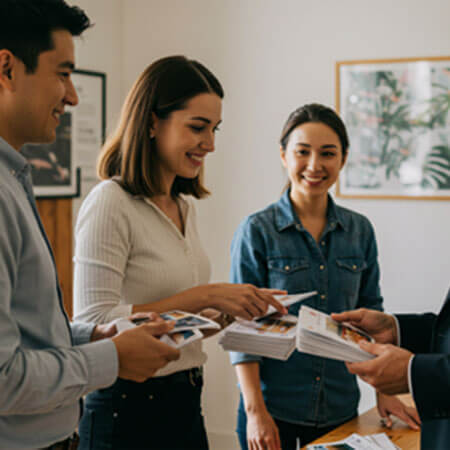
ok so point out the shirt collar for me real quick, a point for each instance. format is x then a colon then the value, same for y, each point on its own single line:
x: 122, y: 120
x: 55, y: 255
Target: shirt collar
x: 11, y: 158
x: 286, y: 217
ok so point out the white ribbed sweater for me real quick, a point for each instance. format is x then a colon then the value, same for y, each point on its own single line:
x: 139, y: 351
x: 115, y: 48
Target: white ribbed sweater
x: 127, y: 251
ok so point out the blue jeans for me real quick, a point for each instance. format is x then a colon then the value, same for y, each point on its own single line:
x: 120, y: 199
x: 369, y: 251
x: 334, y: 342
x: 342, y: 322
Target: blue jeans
x: 289, y: 432
x: 162, y: 413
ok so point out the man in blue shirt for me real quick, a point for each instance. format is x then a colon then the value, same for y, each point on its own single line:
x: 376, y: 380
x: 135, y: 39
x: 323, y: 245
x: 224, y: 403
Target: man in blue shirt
x: 46, y: 363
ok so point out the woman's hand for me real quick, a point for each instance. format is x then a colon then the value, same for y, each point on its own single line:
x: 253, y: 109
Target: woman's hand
x: 240, y: 300
x: 390, y: 405
x: 262, y: 431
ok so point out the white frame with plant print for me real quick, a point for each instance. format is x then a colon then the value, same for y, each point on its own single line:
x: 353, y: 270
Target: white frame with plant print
x: 397, y: 114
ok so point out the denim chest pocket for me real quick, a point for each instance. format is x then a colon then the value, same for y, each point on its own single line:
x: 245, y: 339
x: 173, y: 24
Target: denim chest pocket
x: 292, y: 274
x: 350, y: 271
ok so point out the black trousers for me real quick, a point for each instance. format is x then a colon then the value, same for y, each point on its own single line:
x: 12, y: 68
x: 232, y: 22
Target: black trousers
x: 161, y: 414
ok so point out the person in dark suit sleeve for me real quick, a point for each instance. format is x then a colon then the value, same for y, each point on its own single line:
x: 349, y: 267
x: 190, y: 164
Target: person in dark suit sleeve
x: 420, y: 366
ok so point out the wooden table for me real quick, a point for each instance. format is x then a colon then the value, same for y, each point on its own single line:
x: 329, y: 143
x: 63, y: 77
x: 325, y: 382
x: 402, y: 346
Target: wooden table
x: 369, y: 423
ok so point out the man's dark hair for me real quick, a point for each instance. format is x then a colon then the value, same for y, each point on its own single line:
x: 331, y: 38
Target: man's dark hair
x: 27, y: 26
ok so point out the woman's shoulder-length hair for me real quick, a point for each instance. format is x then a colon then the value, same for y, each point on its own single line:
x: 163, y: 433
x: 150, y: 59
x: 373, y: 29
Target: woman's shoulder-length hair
x: 129, y: 155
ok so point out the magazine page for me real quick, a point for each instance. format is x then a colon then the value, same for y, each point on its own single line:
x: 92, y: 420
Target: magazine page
x: 188, y: 321
x: 288, y: 300
x: 181, y: 338
x: 282, y: 327
x: 322, y: 324
x: 353, y: 442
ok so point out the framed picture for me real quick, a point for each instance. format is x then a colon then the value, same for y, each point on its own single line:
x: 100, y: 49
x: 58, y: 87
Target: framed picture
x: 58, y: 168
x: 398, y: 120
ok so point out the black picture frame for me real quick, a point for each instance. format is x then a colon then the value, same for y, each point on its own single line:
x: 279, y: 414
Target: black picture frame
x: 59, y: 168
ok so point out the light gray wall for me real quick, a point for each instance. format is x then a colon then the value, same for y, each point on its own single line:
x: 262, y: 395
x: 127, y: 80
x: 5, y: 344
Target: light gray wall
x: 272, y: 56
x: 100, y: 49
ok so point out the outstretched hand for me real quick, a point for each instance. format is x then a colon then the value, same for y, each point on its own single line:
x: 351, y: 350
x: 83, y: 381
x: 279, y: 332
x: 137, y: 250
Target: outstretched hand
x: 388, y: 372
x: 389, y: 405
x: 379, y: 325
x: 243, y: 300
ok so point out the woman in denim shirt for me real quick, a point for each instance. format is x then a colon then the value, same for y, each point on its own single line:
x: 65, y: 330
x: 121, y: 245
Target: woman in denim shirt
x: 301, y: 243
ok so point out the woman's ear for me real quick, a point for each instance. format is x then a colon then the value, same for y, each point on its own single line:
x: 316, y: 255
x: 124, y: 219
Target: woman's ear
x: 154, y: 126
x: 283, y: 156
x: 344, y: 158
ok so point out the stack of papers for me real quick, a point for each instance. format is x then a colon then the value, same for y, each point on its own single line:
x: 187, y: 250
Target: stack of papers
x: 271, y: 335
x: 186, y: 330
x: 378, y: 441
x: 318, y: 334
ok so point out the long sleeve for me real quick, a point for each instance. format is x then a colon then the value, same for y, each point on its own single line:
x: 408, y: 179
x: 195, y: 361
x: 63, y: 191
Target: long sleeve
x: 247, y: 266
x: 102, y: 246
x: 369, y: 293
x: 39, y: 369
x: 430, y: 367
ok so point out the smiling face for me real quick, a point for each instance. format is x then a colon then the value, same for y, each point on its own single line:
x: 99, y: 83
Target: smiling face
x: 185, y: 138
x: 313, y: 158
x: 35, y: 101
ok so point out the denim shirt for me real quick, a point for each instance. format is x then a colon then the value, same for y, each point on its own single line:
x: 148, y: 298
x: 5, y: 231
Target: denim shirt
x: 272, y: 249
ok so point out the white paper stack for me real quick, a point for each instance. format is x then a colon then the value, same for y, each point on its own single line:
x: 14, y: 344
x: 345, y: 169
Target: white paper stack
x: 318, y: 334
x: 378, y: 441
x: 272, y: 337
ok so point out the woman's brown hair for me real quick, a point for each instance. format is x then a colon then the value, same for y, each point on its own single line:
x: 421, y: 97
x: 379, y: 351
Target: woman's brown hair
x: 129, y: 155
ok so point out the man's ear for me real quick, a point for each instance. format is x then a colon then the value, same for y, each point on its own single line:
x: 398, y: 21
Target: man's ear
x: 8, y: 65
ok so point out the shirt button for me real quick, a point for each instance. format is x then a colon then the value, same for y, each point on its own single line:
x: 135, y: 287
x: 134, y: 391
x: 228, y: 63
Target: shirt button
x: 323, y: 296
x: 323, y: 243
x: 115, y: 415
x: 321, y: 267
x: 287, y: 268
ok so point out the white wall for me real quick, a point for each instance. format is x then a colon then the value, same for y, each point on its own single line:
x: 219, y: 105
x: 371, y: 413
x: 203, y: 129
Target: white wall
x: 100, y: 49
x: 272, y: 56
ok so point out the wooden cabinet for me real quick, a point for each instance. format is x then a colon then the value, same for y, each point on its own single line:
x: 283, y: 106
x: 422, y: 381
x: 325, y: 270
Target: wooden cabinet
x: 56, y: 215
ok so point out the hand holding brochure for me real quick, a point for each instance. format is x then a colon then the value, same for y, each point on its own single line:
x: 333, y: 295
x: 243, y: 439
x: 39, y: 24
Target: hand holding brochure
x: 186, y: 330
x: 318, y: 334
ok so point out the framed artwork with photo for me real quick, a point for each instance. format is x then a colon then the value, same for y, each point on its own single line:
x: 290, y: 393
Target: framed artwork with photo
x: 59, y: 167
x: 397, y: 114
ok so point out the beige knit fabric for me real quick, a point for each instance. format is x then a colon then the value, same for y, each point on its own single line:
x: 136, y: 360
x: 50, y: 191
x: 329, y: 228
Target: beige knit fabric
x: 127, y: 251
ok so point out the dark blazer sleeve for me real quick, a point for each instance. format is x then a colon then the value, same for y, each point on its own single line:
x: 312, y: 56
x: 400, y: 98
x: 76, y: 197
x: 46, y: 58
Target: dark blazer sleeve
x: 428, y: 336
x: 416, y: 331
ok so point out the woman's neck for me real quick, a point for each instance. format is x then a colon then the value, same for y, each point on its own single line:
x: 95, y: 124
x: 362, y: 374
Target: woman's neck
x: 309, y: 207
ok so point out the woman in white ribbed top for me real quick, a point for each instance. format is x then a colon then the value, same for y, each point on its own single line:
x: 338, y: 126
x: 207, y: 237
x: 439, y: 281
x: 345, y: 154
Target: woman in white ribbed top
x: 138, y: 249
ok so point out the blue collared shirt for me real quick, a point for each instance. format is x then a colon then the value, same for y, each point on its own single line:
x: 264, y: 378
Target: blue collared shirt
x: 46, y: 364
x: 272, y: 249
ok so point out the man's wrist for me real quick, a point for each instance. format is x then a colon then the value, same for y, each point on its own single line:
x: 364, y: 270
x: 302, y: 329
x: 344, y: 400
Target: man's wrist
x: 395, y: 330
